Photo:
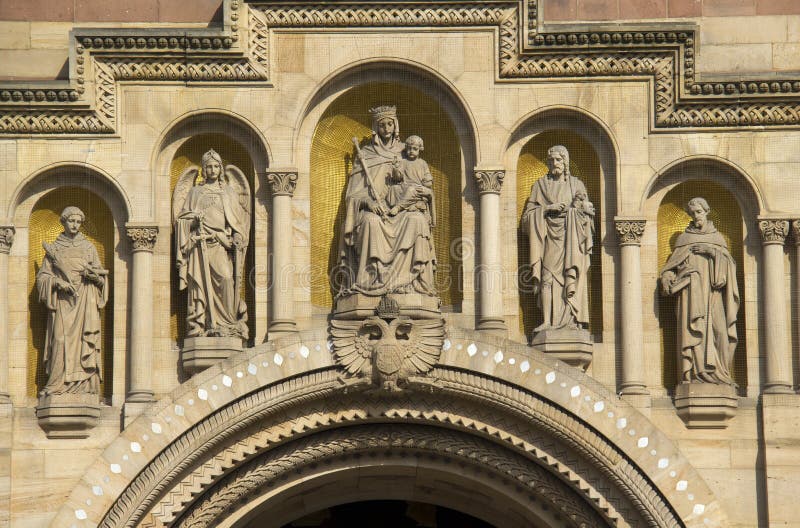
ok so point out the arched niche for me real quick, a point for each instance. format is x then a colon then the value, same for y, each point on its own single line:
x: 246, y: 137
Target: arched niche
x: 45, y: 226
x: 593, y: 159
x: 35, y: 209
x: 730, y: 198
x: 423, y: 110
x: 182, y: 146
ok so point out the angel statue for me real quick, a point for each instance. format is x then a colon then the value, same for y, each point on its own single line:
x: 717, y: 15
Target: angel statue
x: 212, y: 228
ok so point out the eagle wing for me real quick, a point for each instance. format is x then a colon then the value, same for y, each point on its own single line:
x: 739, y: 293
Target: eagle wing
x: 351, y: 346
x: 425, y: 340
x: 186, y: 181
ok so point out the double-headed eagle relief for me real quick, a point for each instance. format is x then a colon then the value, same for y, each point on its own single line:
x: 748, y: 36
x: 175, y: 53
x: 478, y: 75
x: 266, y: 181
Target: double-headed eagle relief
x: 387, y: 325
x: 211, y: 212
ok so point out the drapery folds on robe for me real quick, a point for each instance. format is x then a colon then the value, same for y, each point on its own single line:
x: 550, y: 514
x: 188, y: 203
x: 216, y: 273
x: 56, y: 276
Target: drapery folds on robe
x: 560, y: 248
x: 207, y: 260
x: 72, y: 350
x: 384, y: 254
x: 704, y: 282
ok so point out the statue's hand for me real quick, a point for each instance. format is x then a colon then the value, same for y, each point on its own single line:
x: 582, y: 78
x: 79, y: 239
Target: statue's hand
x: 697, y: 249
x: 65, y: 287
x: 238, y: 241
x: 377, y: 208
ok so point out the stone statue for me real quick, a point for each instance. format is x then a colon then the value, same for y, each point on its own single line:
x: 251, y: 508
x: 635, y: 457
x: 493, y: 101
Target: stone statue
x: 559, y: 221
x: 74, y: 287
x: 702, y: 275
x: 212, y: 228
x: 386, y: 245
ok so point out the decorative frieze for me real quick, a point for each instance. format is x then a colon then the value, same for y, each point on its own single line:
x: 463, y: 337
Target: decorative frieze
x: 489, y: 181
x: 773, y: 231
x: 143, y: 238
x: 282, y: 183
x: 6, y: 238
x: 629, y: 230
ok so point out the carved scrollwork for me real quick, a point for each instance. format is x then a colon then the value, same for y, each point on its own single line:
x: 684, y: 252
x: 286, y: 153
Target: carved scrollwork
x: 282, y: 183
x: 773, y: 231
x: 489, y: 181
x: 143, y: 238
x: 629, y: 231
x: 6, y: 238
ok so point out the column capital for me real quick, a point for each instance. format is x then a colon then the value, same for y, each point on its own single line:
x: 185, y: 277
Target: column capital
x: 282, y: 181
x: 6, y: 238
x: 143, y: 236
x: 489, y: 180
x: 629, y: 230
x: 773, y: 230
x: 795, y: 229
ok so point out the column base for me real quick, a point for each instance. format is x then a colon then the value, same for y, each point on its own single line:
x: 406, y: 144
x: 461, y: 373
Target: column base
x: 573, y: 346
x: 4, y: 398
x: 495, y: 326
x: 634, y: 389
x: 199, y: 353
x: 280, y: 328
x: 778, y: 388
x: 140, y: 396
x: 68, y: 415
x: 706, y: 405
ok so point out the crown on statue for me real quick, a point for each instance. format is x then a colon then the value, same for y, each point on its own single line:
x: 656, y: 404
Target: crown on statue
x: 381, y: 112
x: 387, y: 308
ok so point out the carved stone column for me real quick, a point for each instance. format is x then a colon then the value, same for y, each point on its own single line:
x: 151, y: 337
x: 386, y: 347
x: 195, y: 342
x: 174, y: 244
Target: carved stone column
x: 140, y: 360
x: 282, y: 184
x: 795, y: 227
x: 6, y: 239
x: 629, y: 233
x: 776, y: 332
x: 490, y: 270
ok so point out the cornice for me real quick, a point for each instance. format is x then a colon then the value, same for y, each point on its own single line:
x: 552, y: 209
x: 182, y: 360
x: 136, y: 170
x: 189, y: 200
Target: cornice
x: 238, y: 51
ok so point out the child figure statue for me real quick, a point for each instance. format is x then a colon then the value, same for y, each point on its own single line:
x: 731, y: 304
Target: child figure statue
x: 414, y: 188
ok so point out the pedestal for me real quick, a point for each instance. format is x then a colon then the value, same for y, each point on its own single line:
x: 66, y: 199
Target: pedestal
x: 413, y: 305
x: 573, y: 346
x: 68, y: 415
x: 199, y: 353
x: 706, y: 405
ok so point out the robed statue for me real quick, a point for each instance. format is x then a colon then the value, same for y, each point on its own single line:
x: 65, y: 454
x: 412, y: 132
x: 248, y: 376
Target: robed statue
x: 701, y: 275
x: 559, y: 221
x: 211, y: 211
x: 386, y: 246
x: 73, y: 286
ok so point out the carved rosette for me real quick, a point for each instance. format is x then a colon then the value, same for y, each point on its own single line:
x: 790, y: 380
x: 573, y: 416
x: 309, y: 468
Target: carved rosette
x: 773, y: 231
x: 6, y: 238
x: 489, y: 181
x: 629, y: 231
x: 282, y: 183
x: 143, y: 238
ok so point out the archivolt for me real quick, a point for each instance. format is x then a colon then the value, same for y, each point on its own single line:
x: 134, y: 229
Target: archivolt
x: 520, y: 438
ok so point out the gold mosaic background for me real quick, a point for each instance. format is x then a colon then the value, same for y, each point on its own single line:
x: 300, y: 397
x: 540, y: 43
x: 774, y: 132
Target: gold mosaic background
x: 584, y: 164
x: 332, y: 159
x: 672, y: 220
x: 191, y: 153
x: 45, y: 226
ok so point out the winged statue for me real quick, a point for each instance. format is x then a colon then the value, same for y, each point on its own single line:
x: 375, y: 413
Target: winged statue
x: 211, y: 208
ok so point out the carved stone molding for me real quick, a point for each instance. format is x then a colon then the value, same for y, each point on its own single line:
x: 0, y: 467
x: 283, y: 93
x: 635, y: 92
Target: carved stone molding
x: 629, y: 230
x: 658, y: 53
x: 6, y: 238
x: 143, y: 237
x: 282, y: 182
x: 489, y: 181
x: 773, y: 231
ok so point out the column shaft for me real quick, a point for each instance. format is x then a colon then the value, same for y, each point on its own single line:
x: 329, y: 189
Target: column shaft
x: 6, y: 239
x: 490, y: 269
x: 140, y: 360
x: 282, y: 320
x: 630, y: 234
x: 776, y: 334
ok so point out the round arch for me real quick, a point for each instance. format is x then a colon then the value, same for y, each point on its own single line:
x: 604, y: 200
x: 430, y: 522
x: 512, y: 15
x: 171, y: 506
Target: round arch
x: 284, y: 413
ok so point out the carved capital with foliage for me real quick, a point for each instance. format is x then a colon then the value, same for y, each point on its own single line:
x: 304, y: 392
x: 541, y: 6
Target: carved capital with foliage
x: 490, y: 181
x: 282, y: 182
x: 629, y: 230
x: 795, y: 227
x: 143, y: 237
x: 773, y: 231
x: 6, y: 238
